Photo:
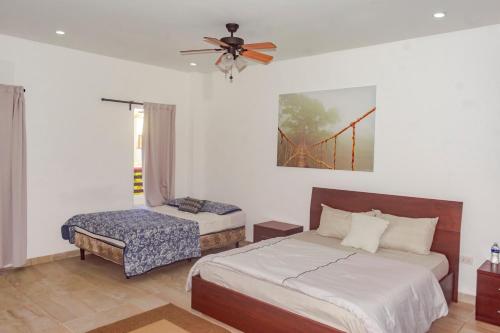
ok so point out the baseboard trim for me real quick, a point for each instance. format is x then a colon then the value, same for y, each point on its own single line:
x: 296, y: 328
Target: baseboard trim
x: 466, y: 298
x: 51, y: 258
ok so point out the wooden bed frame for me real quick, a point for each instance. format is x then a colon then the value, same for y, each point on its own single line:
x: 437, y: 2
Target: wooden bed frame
x: 251, y: 315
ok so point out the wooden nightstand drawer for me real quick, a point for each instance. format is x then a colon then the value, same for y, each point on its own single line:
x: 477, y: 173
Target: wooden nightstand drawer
x: 488, y: 309
x: 265, y: 233
x: 268, y: 233
x: 488, y: 293
x: 259, y: 237
x: 488, y: 286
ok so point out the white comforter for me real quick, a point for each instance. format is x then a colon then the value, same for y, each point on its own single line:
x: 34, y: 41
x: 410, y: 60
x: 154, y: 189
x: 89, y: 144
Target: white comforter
x: 388, y: 296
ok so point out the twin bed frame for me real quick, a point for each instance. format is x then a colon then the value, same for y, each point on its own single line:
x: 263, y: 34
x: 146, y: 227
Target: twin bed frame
x: 251, y: 315
x: 114, y: 253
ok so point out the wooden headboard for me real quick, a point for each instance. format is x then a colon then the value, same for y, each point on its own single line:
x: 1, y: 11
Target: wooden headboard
x: 447, y: 235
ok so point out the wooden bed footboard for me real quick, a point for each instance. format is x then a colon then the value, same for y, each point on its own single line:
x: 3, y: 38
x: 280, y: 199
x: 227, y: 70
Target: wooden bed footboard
x: 249, y: 314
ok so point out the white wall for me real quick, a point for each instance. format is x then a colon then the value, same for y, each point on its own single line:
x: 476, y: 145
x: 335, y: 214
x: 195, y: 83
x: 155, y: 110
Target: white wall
x: 437, y: 131
x: 80, y: 150
x: 437, y: 128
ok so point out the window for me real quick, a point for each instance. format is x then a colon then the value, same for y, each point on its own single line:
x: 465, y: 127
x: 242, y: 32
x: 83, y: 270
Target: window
x: 138, y: 184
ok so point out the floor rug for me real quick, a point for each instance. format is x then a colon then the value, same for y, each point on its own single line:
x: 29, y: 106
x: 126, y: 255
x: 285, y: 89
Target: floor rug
x: 167, y: 318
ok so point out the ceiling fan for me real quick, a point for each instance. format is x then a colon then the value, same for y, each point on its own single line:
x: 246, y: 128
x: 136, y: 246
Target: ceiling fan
x: 233, y: 51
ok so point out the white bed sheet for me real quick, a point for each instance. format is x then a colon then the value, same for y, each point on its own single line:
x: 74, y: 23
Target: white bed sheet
x: 303, y: 304
x: 208, y: 222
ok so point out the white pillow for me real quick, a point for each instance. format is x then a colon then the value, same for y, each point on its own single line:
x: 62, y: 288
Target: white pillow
x: 365, y: 232
x: 408, y: 234
x: 335, y: 222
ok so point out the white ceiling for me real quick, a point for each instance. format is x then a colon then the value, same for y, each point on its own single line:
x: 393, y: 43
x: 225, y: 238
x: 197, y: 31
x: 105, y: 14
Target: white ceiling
x: 153, y: 31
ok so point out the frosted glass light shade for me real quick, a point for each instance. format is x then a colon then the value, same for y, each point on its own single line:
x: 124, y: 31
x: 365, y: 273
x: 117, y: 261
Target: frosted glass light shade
x: 226, y: 63
x: 240, y: 64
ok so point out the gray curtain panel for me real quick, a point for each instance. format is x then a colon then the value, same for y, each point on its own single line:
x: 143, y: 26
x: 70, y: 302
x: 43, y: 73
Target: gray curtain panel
x: 12, y: 177
x: 158, y: 150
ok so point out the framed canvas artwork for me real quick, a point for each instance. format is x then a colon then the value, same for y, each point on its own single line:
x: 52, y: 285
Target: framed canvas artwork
x: 330, y: 129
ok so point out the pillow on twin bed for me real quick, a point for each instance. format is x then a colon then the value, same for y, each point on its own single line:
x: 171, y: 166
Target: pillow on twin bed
x: 208, y: 206
x: 219, y: 208
x: 408, y: 234
x: 335, y: 222
x: 175, y: 202
x: 365, y: 232
x: 191, y: 205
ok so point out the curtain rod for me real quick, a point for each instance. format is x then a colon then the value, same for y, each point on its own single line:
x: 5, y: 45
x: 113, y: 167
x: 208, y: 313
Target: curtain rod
x: 130, y: 103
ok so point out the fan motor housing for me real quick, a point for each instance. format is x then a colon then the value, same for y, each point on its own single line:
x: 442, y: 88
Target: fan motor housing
x: 233, y: 41
x: 232, y: 27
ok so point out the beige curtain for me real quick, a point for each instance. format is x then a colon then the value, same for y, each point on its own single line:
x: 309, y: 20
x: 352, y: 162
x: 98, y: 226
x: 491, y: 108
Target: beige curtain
x: 12, y: 177
x: 158, y: 149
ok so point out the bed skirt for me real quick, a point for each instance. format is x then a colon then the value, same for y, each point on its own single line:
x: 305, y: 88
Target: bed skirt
x: 114, y: 253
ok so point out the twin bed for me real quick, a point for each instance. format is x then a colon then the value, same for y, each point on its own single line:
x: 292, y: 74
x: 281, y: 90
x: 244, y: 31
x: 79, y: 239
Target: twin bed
x: 144, y: 239
x: 311, y: 283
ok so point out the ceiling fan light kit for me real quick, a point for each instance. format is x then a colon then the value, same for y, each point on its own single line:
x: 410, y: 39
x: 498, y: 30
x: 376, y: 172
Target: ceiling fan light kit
x: 225, y: 63
x: 234, y: 50
x: 240, y: 64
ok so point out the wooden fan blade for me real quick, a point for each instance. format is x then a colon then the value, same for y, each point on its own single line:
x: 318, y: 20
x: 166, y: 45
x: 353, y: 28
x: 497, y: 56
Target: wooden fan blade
x: 200, y: 51
x: 260, y: 46
x: 215, y: 41
x: 254, y: 55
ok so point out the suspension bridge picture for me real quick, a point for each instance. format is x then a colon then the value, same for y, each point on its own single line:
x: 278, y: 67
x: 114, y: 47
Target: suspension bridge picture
x: 331, y: 129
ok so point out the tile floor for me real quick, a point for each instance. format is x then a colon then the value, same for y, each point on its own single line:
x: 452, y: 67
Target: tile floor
x: 74, y: 296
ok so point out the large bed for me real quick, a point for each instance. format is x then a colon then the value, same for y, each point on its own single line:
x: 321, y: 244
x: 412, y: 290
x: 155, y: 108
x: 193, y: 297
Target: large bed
x: 257, y: 305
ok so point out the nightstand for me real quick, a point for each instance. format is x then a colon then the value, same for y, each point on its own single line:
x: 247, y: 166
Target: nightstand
x: 273, y: 229
x: 488, y: 293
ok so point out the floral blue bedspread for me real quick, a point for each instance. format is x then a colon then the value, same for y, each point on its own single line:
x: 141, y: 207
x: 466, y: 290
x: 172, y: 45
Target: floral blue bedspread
x: 151, y: 239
